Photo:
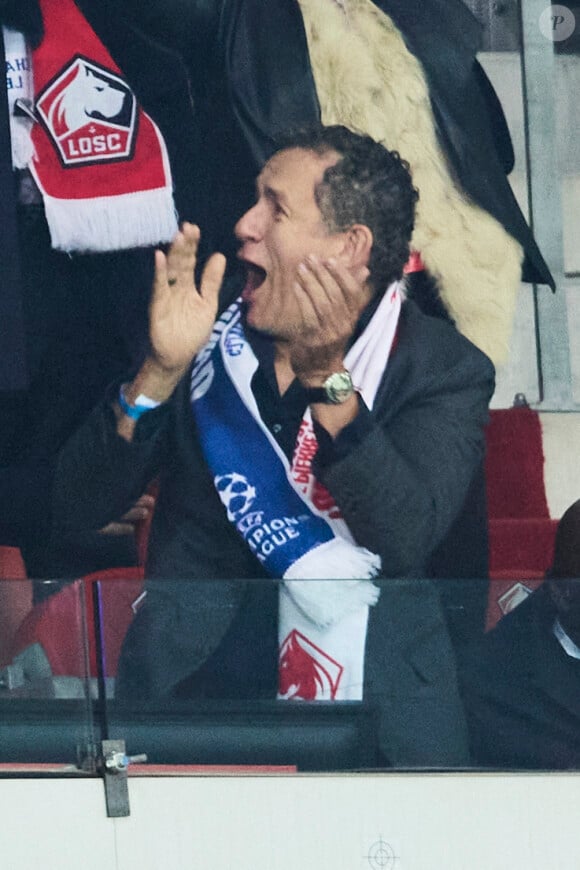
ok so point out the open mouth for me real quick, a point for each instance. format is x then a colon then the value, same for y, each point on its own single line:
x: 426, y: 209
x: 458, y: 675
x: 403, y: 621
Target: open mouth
x: 255, y: 277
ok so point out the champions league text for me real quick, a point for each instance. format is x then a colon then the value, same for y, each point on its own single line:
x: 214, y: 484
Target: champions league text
x: 264, y: 538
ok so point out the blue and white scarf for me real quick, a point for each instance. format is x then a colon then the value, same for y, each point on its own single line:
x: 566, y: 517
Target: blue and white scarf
x: 289, y: 521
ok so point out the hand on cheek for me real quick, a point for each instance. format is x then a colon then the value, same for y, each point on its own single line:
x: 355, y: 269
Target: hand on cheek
x: 331, y: 299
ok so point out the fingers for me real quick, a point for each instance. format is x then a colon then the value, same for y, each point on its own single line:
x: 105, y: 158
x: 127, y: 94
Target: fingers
x: 177, y: 267
x: 319, y: 282
x: 140, y: 510
x: 212, y: 277
x: 182, y: 255
x: 118, y: 529
x: 178, y: 264
x: 352, y: 284
x: 309, y: 302
x: 160, y: 281
x: 337, y: 282
x: 331, y: 293
x: 146, y: 501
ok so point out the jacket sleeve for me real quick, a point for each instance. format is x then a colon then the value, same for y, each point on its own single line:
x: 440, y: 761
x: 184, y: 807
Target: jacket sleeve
x: 403, y: 480
x: 99, y: 475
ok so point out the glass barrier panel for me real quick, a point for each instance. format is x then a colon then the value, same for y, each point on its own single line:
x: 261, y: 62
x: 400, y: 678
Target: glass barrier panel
x: 432, y: 675
x: 46, y: 688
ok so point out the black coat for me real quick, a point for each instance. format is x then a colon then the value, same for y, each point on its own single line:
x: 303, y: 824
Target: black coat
x: 522, y: 693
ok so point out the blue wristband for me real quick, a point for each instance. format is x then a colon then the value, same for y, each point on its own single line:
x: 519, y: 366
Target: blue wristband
x: 141, y: 406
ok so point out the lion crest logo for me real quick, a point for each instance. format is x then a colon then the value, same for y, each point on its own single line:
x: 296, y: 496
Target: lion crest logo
x: 306, y: 672
x: 89, y: 114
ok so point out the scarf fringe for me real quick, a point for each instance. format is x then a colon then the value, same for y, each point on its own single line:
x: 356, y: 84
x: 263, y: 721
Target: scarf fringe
x: 325, y: 602
x: 121, y: 197
x: 133, y: 220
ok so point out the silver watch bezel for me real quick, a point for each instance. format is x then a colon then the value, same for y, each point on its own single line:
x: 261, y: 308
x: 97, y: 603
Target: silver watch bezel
x: 338, y: 387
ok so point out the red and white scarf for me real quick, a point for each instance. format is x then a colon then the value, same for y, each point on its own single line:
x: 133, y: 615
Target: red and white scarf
x: 323, y: 623
x: 99, y: 160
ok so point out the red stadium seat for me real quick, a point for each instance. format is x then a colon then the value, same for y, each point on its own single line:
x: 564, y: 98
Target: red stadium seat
x: 57, y: 623
x: 521, y: 532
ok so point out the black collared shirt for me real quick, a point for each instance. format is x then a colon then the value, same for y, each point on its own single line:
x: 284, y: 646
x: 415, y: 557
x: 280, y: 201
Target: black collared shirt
x: 282, y: 414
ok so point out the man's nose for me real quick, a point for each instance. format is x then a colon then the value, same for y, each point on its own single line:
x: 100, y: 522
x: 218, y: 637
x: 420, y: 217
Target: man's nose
x: 250, y: 226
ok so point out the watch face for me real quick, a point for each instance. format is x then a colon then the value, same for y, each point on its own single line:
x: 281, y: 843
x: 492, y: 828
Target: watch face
x: 338, y: 387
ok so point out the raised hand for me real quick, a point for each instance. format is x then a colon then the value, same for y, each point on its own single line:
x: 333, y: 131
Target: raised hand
x: 181, y: 317
x: 331, y: 299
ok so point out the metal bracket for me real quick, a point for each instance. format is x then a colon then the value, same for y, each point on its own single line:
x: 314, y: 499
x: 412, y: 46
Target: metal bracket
x: 113, y: 765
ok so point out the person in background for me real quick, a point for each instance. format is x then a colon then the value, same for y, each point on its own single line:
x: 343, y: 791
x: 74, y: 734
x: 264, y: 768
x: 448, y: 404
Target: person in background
x: 521, y: 684
x: 95, y: 173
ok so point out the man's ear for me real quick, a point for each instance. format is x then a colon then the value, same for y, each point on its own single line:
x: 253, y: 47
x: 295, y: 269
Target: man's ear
x: 358, y: 242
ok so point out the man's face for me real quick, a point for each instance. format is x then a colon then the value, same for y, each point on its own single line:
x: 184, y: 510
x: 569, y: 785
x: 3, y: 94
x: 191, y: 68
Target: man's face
x: 278, y: 233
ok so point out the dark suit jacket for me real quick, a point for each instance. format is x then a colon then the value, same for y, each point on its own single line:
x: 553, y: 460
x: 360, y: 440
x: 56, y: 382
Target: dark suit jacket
x: 400, y: 488
x: 522, y: 693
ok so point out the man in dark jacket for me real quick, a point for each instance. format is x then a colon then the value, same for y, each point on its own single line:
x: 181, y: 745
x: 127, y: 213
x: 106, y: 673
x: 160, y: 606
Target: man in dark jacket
x: 396, y: 445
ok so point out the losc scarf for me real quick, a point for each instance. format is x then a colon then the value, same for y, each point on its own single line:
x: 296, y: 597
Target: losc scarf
x: 99, y: 160
x: 288, y: 520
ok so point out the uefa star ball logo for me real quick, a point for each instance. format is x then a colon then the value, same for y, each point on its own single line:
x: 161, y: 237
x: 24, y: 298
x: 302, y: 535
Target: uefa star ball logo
x: 236, y: 494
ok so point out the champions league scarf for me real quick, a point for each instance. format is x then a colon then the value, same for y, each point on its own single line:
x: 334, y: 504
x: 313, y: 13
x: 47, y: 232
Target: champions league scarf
x: 99, y: 160
x: 286, y: 517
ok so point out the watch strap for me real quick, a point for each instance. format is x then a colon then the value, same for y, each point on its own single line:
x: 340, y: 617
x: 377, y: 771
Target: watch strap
x: 317, y: 395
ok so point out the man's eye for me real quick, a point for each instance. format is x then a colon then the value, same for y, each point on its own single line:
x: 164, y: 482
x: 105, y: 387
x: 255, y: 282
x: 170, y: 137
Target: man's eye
x: 278, y: 211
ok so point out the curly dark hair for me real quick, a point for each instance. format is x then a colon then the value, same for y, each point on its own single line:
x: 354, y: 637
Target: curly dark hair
x: 368, y: 185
